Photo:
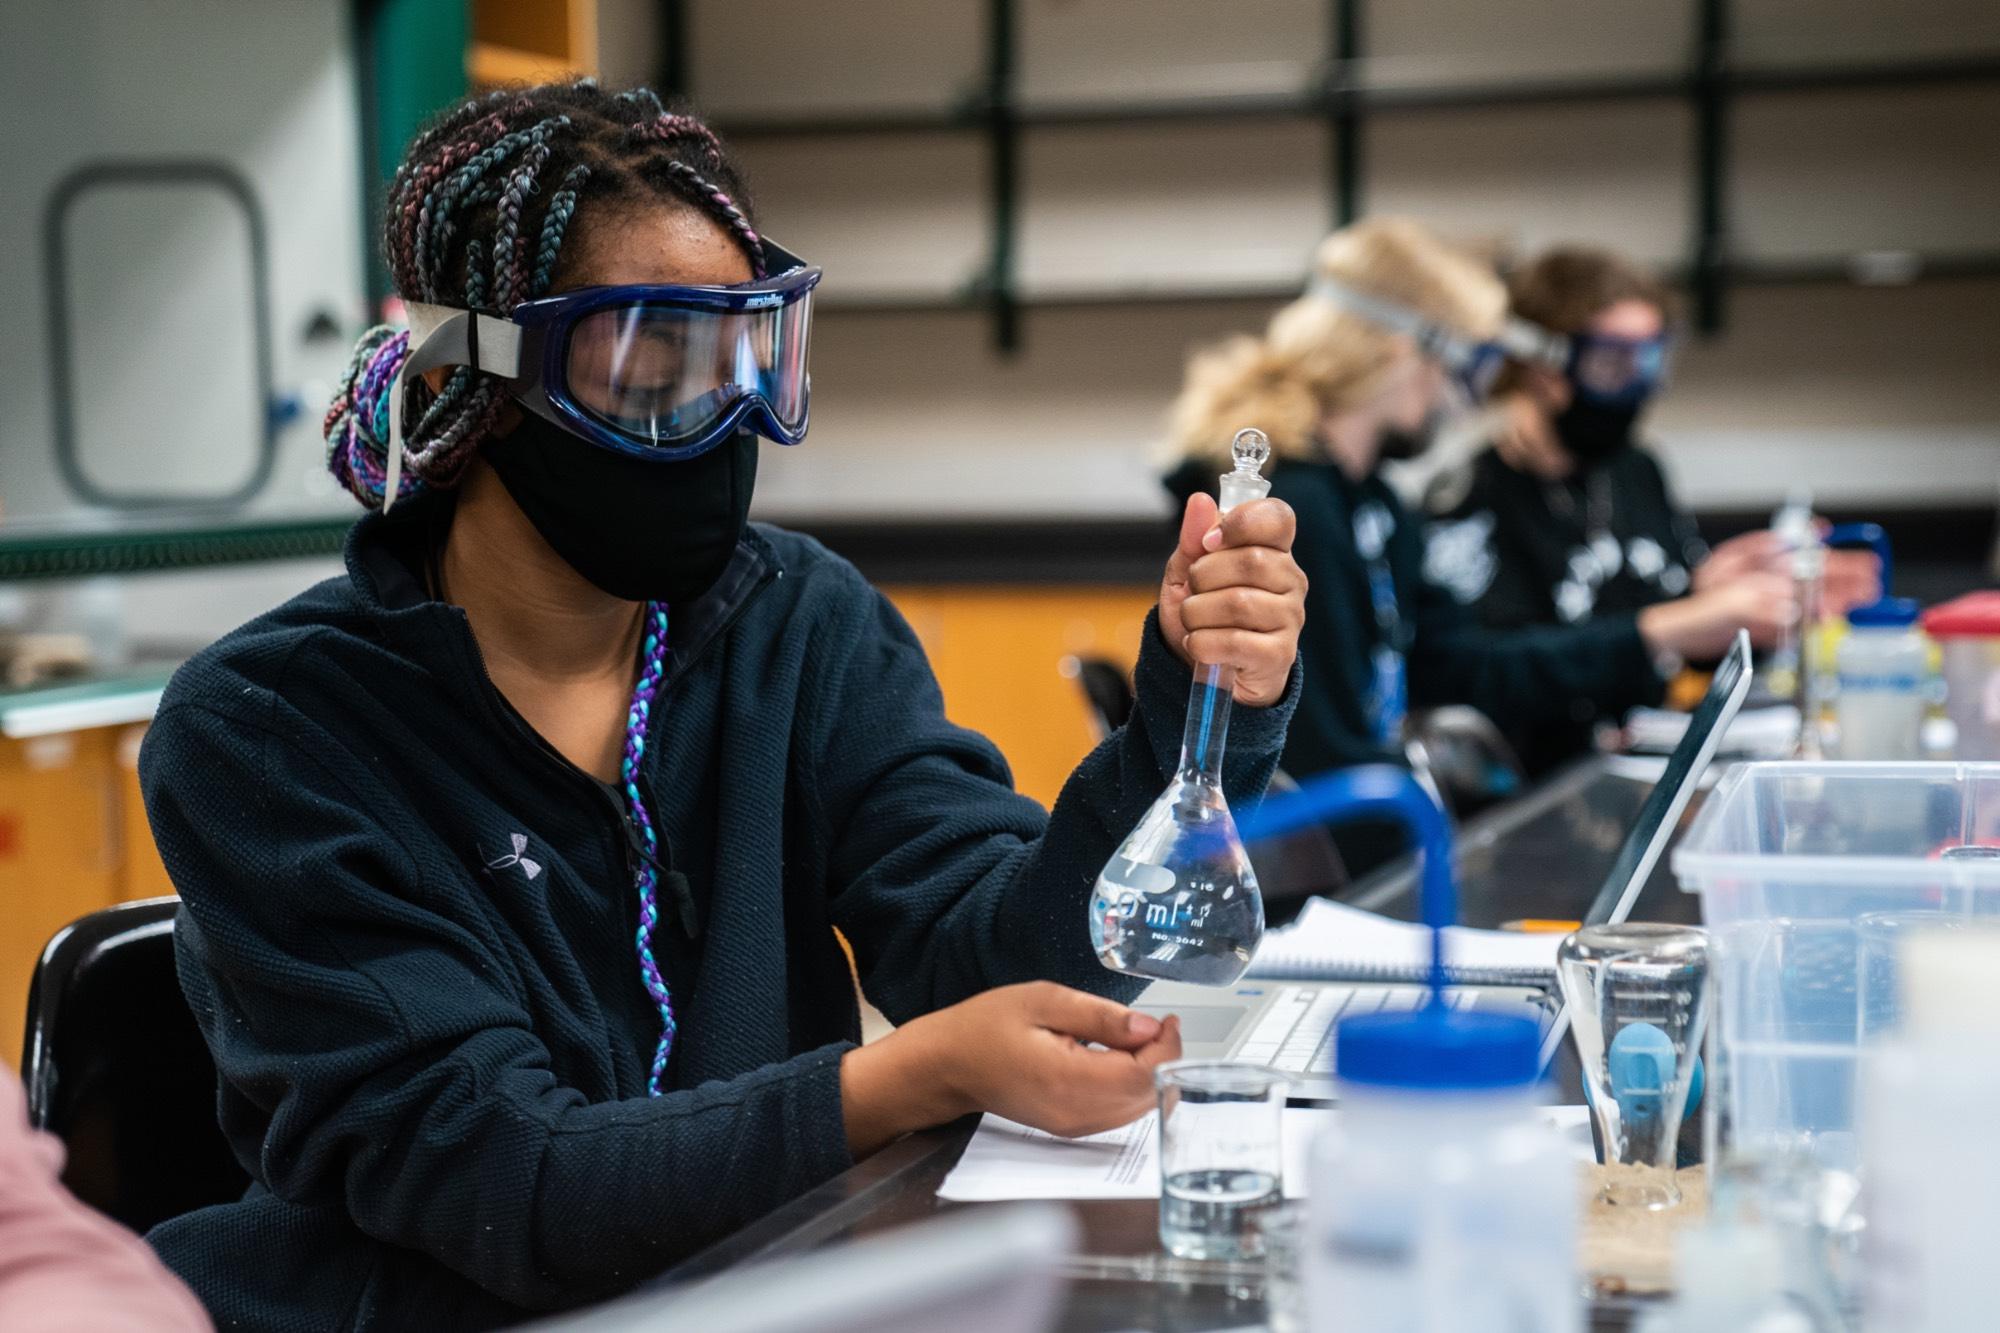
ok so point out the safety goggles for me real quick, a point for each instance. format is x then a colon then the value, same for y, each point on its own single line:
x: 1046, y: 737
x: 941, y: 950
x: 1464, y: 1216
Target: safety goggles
x: 1471, y: 362
x: 655, y: 372
x: 1614, y: 371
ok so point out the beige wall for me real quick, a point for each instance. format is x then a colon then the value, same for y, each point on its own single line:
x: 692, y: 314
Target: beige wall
x: 1880, y: 395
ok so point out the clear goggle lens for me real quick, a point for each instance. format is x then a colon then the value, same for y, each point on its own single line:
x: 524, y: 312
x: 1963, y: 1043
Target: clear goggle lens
x: 1617, y: 367
x: 663, y: 375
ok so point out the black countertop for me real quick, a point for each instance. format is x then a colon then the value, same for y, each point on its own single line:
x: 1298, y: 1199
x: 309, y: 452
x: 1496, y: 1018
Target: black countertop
x: 1543, y: 856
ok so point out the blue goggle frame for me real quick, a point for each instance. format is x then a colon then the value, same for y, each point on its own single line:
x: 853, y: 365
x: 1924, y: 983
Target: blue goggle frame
x: 1613, y: 371
x: 530, y: 348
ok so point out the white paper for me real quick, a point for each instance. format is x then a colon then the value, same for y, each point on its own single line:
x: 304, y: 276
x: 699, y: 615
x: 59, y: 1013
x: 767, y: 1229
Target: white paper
x: 1767, y: 732
x: 1328, y: 935
x: 1005, y: 1160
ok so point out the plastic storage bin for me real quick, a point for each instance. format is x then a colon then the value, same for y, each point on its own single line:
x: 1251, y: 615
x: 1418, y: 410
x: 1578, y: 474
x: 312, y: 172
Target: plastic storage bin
x: 1786, y: 857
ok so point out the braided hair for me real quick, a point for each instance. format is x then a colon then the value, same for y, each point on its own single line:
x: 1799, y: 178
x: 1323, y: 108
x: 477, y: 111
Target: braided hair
x: 476, y: 219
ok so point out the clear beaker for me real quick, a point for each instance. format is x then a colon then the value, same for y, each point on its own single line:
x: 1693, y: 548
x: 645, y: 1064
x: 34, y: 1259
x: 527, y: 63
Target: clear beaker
x: 1283, y: 1229
x: 1221, y: 1156
x: 1637, y: 1000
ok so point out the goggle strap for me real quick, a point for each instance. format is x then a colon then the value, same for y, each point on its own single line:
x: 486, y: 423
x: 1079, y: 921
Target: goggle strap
x: 1531, y: 344
x: 1432, y: 338
x: 442, y: 335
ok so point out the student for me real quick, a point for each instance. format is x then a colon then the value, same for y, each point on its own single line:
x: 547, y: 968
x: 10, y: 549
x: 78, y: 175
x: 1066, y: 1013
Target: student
x: 64, y: 1268
x: 1357, y: 371
x: 1566, y: 515
x: 512, y: 860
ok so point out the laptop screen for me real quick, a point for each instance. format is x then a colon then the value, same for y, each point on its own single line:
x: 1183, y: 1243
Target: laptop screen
x: 1648, y: 839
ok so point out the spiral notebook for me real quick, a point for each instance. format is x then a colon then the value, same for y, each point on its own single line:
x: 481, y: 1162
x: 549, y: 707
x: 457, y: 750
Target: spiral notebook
x: 1331, y: 941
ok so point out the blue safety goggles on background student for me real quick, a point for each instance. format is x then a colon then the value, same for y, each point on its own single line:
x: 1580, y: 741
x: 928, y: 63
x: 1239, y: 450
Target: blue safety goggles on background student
x: 1613, y: 371
x: 656, y: 372
x: 1604, y: 368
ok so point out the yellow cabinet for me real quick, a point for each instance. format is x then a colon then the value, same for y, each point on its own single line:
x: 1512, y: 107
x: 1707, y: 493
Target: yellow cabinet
x: 62, y: 831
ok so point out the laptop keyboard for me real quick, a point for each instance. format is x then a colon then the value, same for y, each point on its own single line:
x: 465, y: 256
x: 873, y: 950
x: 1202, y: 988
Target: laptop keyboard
x: 1295, y: 1034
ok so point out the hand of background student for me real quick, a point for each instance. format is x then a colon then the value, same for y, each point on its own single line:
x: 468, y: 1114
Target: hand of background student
x: 1018, y: 1051
x: 1526, y: 442
x: 1234, y: 595
x: 1763, y: 550
x: 1700, y: 626
x: 1851, y: 578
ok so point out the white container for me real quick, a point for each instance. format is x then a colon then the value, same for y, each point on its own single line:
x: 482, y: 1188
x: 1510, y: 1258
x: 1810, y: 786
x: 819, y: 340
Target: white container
x: 1931, y: 1187
x: 1786, y: 857
x: 1883, y: 669
x: 1433, y: 1205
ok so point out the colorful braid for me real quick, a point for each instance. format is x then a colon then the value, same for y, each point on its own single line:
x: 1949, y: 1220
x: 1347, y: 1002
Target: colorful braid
x: 357, y: 424
x: 652, y: 670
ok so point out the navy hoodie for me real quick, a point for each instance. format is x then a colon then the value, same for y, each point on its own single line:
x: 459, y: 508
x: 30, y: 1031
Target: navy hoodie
x: 407, y: 928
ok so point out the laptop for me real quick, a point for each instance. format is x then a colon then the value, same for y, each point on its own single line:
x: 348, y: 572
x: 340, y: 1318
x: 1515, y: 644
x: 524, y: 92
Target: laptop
x: 1289, y: 1026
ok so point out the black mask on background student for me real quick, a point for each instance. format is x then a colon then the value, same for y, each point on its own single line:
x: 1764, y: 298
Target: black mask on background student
x: 640, y: 530
x: 1593, y: 431
x: 1399, y: 443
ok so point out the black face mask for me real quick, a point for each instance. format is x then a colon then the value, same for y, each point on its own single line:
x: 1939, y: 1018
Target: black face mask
x: 641, y: 531
x: 1399, y: 444
x: 1592, y: 432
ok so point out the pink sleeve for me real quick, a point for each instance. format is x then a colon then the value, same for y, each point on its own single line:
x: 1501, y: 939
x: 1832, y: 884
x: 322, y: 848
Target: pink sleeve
x: 65, y: 1268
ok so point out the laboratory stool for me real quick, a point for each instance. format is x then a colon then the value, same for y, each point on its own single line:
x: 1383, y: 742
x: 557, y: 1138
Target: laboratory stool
x: 1468, y: 763
x: 116, y: 1068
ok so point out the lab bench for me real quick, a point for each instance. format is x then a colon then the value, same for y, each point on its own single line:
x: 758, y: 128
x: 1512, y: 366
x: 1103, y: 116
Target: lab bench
x: 1544, y: 855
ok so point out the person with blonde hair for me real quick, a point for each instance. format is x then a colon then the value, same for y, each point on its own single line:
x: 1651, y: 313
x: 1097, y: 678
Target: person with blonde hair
x: 1394, y: 325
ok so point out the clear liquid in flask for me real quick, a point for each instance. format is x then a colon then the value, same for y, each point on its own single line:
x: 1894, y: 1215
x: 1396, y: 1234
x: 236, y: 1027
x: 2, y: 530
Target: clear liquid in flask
x: 1178, y: 900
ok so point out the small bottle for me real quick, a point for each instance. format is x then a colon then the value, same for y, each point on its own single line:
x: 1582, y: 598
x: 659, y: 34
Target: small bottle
x: 1931, y: 1165
x: 1884, y: 668
x: 1441, y: 1195
x: 1793, y: 525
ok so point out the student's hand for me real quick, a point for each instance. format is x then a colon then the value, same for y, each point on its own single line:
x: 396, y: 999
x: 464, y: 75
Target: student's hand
x: 1701, y: 625
x: 1740, y: 555
x: 1017, y: 1051
x: 1526, y: 441
x: 1233, y: 595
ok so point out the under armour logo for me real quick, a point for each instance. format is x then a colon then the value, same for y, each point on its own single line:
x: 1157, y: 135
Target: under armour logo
x: 515, y: 858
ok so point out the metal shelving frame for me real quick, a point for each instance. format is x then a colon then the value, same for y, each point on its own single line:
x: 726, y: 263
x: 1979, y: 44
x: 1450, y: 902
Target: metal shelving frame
x: 1343, y: 97
x: 1340, y: 96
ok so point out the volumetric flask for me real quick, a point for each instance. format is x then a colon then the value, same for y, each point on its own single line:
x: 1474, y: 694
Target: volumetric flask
x: 1178, y: 899
x: 1637, y: 999
x: 1221, y: 1157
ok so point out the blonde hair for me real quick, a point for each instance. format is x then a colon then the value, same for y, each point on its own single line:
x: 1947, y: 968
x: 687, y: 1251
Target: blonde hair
x: 1318, y: 358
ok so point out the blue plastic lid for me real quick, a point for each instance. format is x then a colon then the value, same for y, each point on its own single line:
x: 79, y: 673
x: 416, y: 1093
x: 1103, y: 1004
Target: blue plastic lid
x: 1438, y: 1049
x: 1887, y: 612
